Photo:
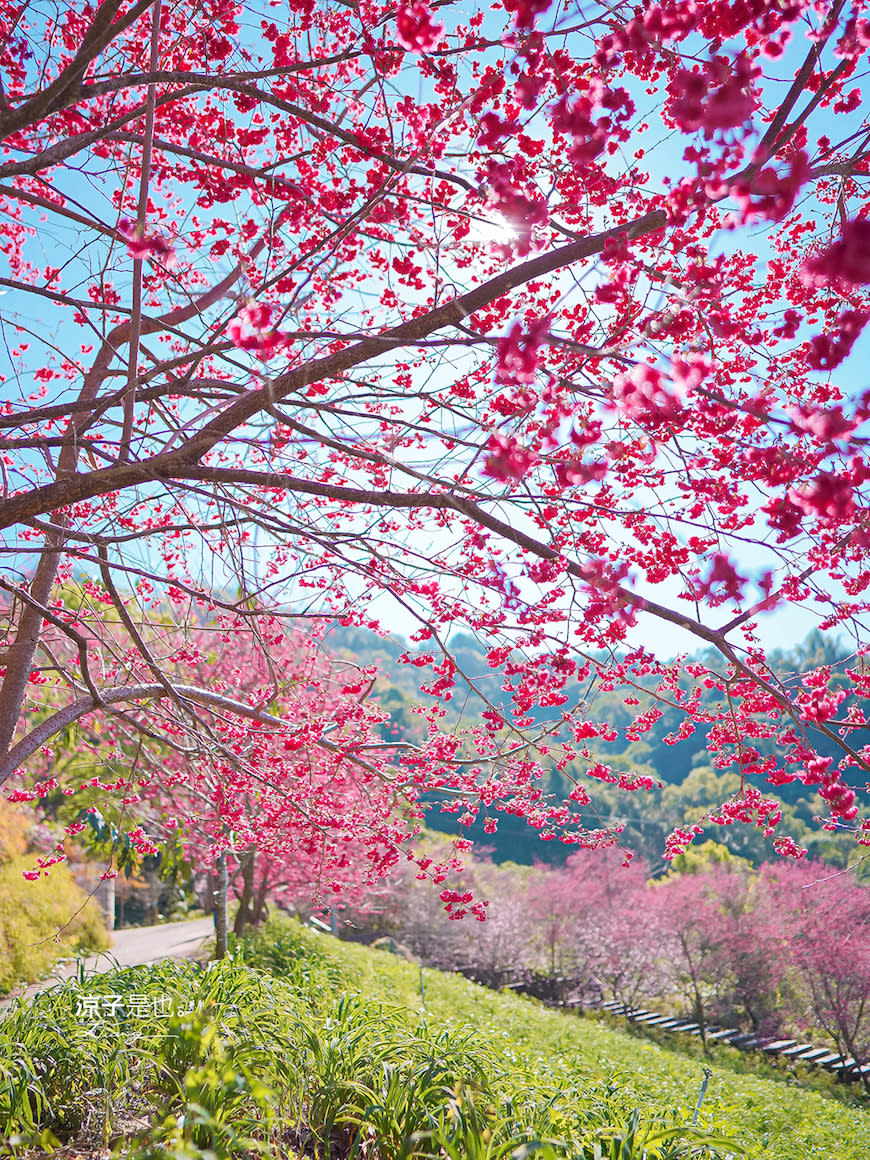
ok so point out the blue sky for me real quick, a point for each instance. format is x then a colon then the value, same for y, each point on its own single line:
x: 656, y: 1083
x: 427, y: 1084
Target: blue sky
x: 783, y: 626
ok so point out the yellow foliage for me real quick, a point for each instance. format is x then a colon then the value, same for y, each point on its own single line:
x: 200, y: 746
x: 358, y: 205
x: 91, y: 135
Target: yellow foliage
x: 699, y: 859
x: 14, y: 825
x: 42, y: 921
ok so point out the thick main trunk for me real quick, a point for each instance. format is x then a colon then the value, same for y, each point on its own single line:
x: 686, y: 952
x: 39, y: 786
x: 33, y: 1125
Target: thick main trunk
x: 208, y: 895
x: 244, y: 914
x: 259, y: 911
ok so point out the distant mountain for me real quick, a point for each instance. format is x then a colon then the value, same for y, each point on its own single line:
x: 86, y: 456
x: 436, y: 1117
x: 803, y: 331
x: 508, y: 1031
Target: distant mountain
x: 691, y: 785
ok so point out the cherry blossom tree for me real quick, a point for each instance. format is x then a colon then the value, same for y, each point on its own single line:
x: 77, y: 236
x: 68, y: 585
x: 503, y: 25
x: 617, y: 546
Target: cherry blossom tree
x: 751, y: 958
x: 537, y: 322
x: 501, y: 949
x: 623, y: 934
x: 301, y: 802
x: 827, y: 916
x: 558, y: 916
x: 691, y: 935
x: 573, y: 910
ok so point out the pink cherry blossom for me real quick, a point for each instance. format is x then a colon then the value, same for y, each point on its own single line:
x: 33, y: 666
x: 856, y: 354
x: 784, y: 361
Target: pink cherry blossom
x: 416, y: 29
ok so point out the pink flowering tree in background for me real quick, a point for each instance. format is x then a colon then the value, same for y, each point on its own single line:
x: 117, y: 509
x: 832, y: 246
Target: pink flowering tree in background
x: 299, y: 798
x: 751, y: 956
x: 623, y: 933
x: 832, y: 951
x: 827, y: 917
x: 541, y: 322
x: 403, y: 909
x: 558, y: 915
x: 503, y: 947
x: 690, y: 940
x: 588, y: 920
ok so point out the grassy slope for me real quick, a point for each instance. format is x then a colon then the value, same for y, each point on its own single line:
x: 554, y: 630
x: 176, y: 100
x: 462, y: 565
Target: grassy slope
x: 324, y: 1051
x: 770, y: 1117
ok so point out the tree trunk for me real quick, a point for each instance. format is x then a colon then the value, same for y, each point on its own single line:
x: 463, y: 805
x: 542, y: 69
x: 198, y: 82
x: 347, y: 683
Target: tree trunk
x: 700, y: 1018
x: 260, y: 909
x: 208, y: 895
x: 220, y: 907
x: 244, y: 915
x: 109, y: 902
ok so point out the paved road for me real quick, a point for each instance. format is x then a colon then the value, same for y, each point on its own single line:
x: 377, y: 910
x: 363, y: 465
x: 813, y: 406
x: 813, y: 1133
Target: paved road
x: 138, y: 945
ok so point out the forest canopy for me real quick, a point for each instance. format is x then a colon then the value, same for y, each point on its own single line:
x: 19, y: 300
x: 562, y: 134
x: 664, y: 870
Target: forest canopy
x: 541, y: 323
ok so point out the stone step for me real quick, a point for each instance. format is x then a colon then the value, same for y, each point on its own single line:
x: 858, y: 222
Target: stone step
x: 745, y: 1042
x: 779, y: 1046
x: 815, y: 1055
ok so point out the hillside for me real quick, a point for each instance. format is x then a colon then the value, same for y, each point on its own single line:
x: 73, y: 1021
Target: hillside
x: 691, y: 784
x: 302, y: 1045
x: 769, y: 1117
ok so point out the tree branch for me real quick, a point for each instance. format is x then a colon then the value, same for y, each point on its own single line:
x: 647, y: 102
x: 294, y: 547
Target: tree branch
x: 76, y: 709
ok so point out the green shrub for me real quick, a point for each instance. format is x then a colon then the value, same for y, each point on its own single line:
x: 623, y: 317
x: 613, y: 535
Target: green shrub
x: 184, y: 1054
x: 43, y: 921
x: 289, y: 951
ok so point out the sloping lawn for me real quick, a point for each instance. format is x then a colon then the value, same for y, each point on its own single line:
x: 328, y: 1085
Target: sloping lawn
x: 302, y: 1046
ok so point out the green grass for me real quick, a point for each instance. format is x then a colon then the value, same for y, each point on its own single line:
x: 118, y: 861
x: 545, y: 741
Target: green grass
x: 771, y: 1117
x: 301, y: 1046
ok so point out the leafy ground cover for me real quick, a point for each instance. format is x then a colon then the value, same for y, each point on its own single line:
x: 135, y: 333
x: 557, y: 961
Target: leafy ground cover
x: 304, y: 1046
x: 769, y: 1116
